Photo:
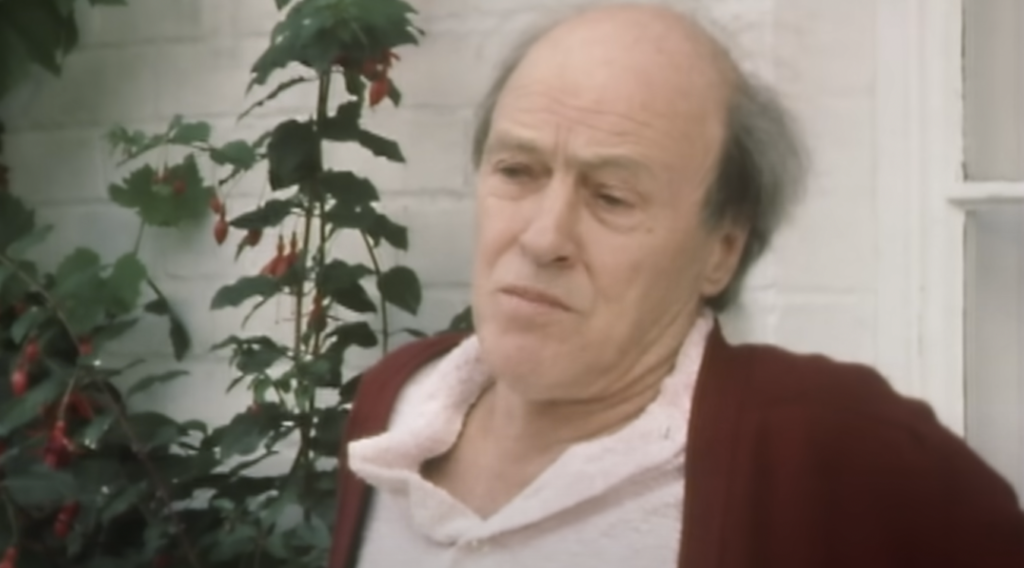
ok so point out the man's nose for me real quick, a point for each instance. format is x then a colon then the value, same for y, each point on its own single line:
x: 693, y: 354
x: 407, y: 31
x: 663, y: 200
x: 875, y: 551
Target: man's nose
x: 550, y: 234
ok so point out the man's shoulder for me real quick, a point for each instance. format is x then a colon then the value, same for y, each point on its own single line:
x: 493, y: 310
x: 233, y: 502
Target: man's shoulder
x: 785, y: 380
x: 848, y: 415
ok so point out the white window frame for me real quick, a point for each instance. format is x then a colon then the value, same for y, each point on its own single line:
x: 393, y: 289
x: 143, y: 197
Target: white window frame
x: 922, y: 202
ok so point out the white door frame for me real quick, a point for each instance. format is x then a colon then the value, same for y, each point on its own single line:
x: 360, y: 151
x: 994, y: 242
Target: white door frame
x: 922, y: 202
x: 920, y: 230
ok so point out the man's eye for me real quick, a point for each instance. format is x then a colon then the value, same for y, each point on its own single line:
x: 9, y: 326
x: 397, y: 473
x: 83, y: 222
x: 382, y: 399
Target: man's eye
x: 613, y: 201
x: 515, y: 172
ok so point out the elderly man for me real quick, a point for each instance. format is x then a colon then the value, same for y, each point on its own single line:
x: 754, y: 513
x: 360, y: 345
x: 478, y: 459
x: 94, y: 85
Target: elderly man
x: 628, y: 175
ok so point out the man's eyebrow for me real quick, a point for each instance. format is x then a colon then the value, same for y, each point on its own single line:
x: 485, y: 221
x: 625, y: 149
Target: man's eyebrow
x: 507, y: 142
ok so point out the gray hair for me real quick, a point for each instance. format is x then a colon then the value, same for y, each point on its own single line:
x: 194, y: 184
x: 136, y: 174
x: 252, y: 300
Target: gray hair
x: 761, y: 168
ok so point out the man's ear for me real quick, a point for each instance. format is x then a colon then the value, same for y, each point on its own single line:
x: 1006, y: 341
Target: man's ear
x: 726, y: 246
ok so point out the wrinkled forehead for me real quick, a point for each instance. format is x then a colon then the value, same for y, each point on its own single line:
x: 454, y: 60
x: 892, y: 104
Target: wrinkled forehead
x: 622, y: 76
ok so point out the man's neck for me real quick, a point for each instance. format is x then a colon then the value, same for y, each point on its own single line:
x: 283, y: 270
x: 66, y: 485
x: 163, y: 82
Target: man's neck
x: 519, y: 427
x: 524, y: 428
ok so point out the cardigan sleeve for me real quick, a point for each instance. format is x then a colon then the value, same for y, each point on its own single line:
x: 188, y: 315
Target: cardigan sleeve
x: 978, y: 510
x: 880, y: 479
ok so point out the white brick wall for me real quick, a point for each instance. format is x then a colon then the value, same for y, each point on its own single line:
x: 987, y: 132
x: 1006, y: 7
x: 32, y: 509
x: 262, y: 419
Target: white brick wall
x: 140, y: 65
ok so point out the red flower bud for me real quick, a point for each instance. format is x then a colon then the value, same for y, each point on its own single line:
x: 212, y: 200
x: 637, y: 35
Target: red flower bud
x: 85, y: 347
x: 216, y: 205
x: 31, y: 354
x: 252, y: 238
x: 379, y: 90
x: 19, y: 380
x: 220, y: 230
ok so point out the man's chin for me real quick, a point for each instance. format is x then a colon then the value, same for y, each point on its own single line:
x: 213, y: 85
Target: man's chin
x: 520, y: 352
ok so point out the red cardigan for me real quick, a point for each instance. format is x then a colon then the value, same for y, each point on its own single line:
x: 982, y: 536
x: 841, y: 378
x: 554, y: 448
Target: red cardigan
x: 793, y: 461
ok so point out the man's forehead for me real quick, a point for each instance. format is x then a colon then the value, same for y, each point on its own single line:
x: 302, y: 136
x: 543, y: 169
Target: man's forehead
x: 510, y: 141
x: 616, y: 68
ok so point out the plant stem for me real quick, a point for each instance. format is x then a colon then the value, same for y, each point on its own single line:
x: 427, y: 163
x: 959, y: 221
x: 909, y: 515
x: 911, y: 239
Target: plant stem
x: 305, y: 425
x: 383, y: 305
x: 138, y: 237
x: 9, y: 506
x: 161, y: 487
x: 321, y: 261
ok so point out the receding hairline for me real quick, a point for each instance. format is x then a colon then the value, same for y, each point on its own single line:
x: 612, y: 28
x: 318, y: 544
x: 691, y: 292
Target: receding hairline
x: 690, y: 24
x: 684, y: 25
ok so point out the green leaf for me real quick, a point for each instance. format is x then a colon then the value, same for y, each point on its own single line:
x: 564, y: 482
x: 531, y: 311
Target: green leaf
x: 17, y: 221
x: 340, y: 274
x: 91, y: 434
x: 294, y: 154
x: 343, y: 125
x: 111, y: 331
x: 244, y: 289
x: 151, y: 381
x: 16, y: 287
x: 40, y: 28
x: 354, y: 333
x: 188, y: 133
x: 19, y: 247
x: 244, y: 434
x: 394, y: 94
x: 342, y: 215
x: 313, y: 533
x: 462, y: 321
x: 381, y: 227
x: 253, y: 354
x: 271, y: 214
x: 41, y: 487
x: 156, y: 203
x: 123, y: 501
x: 237, y: 153
x: 348, y: 188
x: 277, y: 91
x: 330, y: 425
x: 257, y: 358
x: 132, y: 143
x: 354, y: 298
x: 77, y: 285
x: 149, y: 429
x: 401, y: 287
x: 235, y: 541
x: 14, y: 63
x: 380, y: 146
x: 15, y: 412
x: 194, y: 425
x: 124, y: 285
x: 340, y: 281
x: 287, y: 497
x: 81, y: 263
x: 27, y: 322
x: 180, y: 340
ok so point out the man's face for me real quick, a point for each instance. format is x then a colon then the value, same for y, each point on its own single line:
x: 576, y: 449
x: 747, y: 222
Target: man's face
x: 591, y: 249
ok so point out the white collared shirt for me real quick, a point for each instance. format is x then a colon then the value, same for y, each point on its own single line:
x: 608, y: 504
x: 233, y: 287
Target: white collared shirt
x: 612, y: 501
